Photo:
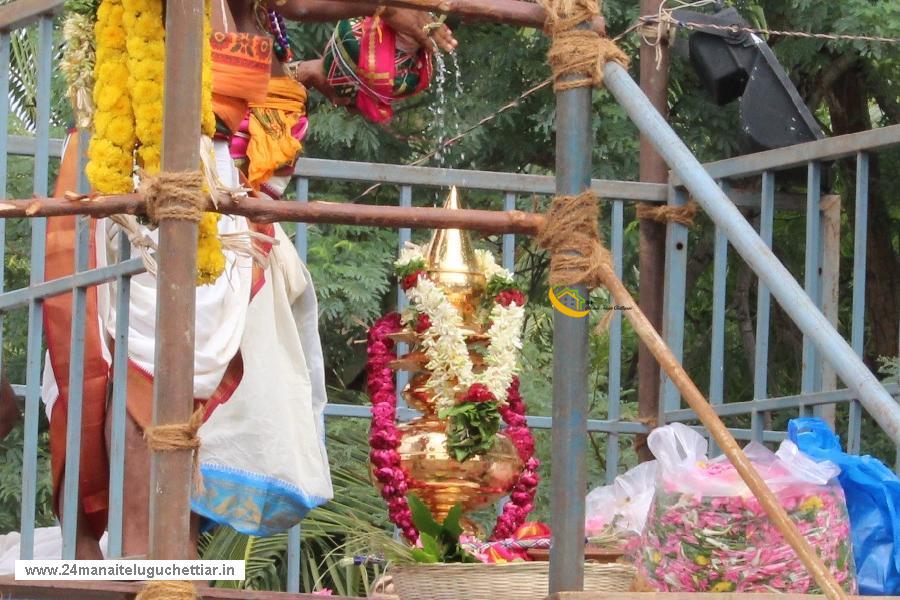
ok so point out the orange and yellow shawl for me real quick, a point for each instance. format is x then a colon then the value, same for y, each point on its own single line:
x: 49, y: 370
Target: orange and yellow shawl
x: 275, y: 126
x: 241, y: 65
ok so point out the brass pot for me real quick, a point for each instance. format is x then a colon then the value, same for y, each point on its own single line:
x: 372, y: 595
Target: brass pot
x: 441, y: 482
x: 417, y: 396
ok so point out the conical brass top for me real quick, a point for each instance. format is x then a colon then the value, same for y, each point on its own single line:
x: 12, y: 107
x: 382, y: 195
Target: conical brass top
x: 452, y: 264
x: 450, y: 250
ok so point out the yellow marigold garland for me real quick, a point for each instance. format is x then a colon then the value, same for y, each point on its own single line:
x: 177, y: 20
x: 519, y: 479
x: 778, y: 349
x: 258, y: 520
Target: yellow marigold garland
x: 146, y: 75
x: 210, y: 260
x: 207, y: 116
x: 128, y: 94
x: 110, y: 153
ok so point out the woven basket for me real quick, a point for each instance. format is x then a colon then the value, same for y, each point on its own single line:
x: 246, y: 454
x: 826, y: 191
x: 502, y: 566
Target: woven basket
x: 505, y: 581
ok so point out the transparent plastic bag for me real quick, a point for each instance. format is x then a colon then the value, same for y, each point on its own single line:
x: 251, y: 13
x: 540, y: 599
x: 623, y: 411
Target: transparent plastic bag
x: 634, y: 493
x: 624, y: 504
x: 706, y: 532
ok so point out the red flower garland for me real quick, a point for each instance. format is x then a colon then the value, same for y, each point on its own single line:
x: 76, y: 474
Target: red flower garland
x: 384, y: 438
x: 521, y: 497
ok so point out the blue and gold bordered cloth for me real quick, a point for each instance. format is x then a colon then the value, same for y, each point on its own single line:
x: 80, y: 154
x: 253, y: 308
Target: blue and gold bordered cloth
x: 251, y: 503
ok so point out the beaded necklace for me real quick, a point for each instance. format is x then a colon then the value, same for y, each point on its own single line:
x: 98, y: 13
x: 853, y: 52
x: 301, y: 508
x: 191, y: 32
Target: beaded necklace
x: 271, y: 21
x: 282, y: 44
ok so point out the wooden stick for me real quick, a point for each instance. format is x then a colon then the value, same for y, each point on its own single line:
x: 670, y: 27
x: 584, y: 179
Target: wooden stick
x: 268, y: 211
x: 509, y: 12
x: 720, y: 434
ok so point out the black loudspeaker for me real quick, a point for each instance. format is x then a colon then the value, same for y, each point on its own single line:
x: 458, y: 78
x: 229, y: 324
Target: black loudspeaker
x: 719, y: 68
x: 737, y: 64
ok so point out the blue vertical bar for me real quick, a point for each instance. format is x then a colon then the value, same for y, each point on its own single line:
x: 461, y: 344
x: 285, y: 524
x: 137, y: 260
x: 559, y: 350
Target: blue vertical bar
x: 34, y: 352
x: 858, y: 318
x: 76, y: 369
x: 4, y: 114
x: 42, y: 112
x: 717, y: 349
x: 293, y: 567
x: 119, y: 415
x: 509, y: 263
x: 570, y: 364
x: 405, y: 235
x: 301, y: 240
x: 509, y: 239
x: 810, y: 379
x: 673, y: 303
x: 4, y: 141
x: 763, y: 305
x: 615, y: 346
x: 76, y: 388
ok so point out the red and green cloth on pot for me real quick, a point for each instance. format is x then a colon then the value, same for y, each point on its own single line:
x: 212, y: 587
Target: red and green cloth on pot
x: 364, y: 62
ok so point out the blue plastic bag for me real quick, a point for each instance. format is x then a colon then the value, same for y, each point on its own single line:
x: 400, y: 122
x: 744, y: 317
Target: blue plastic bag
x: 873, y: 501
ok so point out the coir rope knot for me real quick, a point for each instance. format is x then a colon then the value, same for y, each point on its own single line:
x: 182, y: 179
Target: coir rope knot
x: 570, y: 234
x: 168, y: 590
x: 577, y: 56
x: 179, y: 436
x: 177, y: 196
x: 683, y: 215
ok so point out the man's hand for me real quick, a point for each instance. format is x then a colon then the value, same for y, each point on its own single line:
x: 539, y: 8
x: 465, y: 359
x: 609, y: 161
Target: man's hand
x: 311, y: 73
x: 411, y: 26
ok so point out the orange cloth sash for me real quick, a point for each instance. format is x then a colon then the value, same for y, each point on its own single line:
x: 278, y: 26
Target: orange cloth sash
x: 273, y: 129
x: 241, y: 66
x: 93, y: 488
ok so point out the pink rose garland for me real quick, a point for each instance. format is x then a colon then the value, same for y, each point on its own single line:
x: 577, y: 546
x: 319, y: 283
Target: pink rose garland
x: 521, y: 498
x: 384, y: 438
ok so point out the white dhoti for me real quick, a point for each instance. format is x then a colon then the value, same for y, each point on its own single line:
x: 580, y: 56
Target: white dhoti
x: 262, y: 457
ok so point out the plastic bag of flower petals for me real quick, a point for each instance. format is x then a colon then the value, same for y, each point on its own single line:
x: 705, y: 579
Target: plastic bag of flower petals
x: 622, y: 506
x: 706, y: 532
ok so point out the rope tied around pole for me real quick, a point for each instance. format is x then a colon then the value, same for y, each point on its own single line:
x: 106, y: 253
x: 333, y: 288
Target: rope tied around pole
x: 179, y: 436
x: 178, y: 196
x: 168, y: 590
x: 570, y: 234
x: 577, y: 56
x: 683, y: 215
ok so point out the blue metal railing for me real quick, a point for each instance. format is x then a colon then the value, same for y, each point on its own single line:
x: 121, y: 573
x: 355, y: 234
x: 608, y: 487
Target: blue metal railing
x: 407, y: 181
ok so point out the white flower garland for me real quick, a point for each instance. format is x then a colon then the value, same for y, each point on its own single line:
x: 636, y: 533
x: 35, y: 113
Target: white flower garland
x: 444, y: 342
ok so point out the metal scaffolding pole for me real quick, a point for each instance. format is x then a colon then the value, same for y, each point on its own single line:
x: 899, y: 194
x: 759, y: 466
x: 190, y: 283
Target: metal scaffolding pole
x: 570, y: 364
x: 796, y: 303
x: 173, y: 389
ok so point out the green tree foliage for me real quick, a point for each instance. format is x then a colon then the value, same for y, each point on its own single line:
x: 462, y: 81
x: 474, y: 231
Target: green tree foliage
x: 849, y: 85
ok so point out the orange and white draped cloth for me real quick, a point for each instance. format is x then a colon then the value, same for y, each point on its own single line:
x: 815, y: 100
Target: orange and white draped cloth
x: 258, y: 365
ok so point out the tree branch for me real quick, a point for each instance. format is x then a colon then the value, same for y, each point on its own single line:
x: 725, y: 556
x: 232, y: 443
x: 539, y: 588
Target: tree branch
x: 261, y: 210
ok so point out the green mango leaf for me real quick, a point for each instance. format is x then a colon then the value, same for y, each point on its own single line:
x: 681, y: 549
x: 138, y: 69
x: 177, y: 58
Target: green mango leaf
x: 421, y: 556
x: 422, y: 518
x: 430, y: 546
x: 451, y: 523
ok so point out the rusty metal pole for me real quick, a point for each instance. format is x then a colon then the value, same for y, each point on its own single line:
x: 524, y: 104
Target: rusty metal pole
x: 652, y: 249
x: 173, y: 389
